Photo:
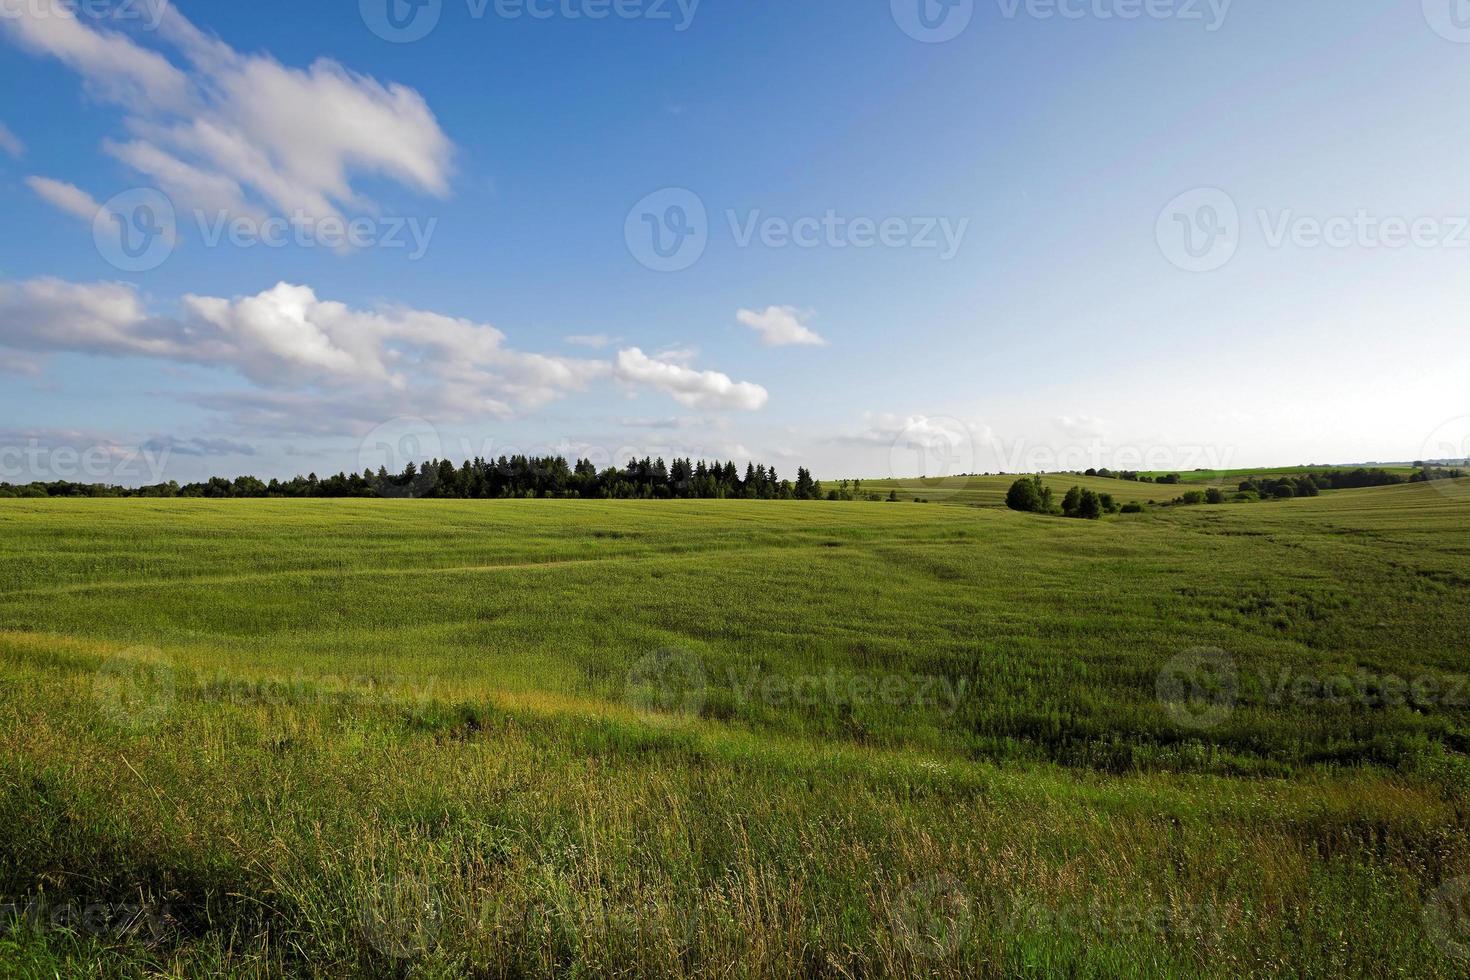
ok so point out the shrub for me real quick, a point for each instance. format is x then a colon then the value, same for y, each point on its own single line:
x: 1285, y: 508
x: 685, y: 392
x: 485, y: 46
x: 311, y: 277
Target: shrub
x: 1029, y: 495
x: 1193, y: 497
x: 1133, y: 508
x: 1214, y: 495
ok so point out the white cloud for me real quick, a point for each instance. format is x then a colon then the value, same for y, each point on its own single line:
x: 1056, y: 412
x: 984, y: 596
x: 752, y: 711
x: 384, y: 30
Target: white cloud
x: 186, y: 183
x: 67, y: 197
x: 287, y: 338
x: 114, y: 67
x: 102, y: 318
x: 232, y: 131
x: 317, y: 364
x: 10, y: 143
x: 781, y: 326
x: 687, y: 386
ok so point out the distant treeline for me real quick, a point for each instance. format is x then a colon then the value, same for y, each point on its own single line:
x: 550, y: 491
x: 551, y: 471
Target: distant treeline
x: 514, y: 476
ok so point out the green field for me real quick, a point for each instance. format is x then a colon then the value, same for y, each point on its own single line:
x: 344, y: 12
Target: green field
x: 990, y: 491
x: 1232, y: 478
x: 728, y: 739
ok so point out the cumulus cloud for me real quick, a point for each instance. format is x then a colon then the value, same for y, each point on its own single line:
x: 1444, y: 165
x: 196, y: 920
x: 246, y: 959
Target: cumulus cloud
x: 319, y: 365
x: 10, y: 144
x: 687, y: 386
x: 65, y: 197
x: 781, y: 326
x: 223, y: 130
x: 286, y: 337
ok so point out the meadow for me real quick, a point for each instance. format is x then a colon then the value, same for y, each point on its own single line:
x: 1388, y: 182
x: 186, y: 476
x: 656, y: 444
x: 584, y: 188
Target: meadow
x: 736, y: 738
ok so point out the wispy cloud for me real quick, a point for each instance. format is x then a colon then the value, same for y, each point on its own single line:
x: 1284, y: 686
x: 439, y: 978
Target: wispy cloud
x: 781, y: 326
x: 225, y: 130
x: 68, y: 198
x: 10, y: 144
x: 197, y: 446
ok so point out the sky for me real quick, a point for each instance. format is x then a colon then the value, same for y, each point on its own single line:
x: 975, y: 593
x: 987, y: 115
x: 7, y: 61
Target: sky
x: 871, y: 238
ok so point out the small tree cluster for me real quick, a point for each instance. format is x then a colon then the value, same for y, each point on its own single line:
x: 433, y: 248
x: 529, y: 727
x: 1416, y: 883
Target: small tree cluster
x: 1088, y: 504
x: 1029, y: 495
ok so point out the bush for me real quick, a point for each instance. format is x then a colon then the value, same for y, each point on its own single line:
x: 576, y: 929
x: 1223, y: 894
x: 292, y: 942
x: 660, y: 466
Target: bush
x: 1084, y: 504
x: 1029, y: 495
x: 1193, y: 497
x: 1133, y: 508
x: 1214, y: 495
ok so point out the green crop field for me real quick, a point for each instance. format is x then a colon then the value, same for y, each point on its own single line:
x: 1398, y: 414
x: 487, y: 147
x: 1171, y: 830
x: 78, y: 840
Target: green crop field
x: 1231, y: 478
x: 736, y: 738
x: 990, y: 491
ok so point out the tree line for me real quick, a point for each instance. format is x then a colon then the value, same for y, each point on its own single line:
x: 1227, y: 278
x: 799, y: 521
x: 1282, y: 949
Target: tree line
x: 506, y: 477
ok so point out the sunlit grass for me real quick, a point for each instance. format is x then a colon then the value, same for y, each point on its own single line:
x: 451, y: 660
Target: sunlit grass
x: 577, y: 738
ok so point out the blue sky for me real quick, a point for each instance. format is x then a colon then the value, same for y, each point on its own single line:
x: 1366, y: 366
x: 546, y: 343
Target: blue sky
x: 1031, y: 303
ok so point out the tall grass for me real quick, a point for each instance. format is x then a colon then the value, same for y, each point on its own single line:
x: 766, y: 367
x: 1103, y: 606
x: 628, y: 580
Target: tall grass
x: 530, y: 738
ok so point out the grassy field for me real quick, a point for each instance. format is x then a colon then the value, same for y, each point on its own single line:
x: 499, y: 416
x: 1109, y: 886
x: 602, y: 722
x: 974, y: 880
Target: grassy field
x: 726, y: 739
x: 1232, y: 478
x: 990, y: 491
